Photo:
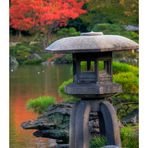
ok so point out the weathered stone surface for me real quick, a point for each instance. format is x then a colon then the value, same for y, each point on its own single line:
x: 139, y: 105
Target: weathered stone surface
x: 52, y: 124
x: 46, y: 63
x: 134, y: 61
x: 59, y: 134
x: 131, y: 28
x: 35, y: 56
x: 132, y: 118
x: 93, y: 90
x: 55, y: 123
x: 14, y: 43
x: 13, y: 63
x: 92, y: 43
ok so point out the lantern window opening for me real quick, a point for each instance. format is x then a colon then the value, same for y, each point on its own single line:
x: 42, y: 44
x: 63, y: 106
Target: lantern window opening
x: 105, y: 70
x: 85, y: 71
x: 87, y: 66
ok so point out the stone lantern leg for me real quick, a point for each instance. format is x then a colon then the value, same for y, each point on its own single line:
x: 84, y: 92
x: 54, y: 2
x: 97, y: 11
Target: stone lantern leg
x: 108, y: 123
x: 92, y: 82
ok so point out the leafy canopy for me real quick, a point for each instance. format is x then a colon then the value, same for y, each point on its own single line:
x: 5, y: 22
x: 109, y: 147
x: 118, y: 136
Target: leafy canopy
x: 43, y: 14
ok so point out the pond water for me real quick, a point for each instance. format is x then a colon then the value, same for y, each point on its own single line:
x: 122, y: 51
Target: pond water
x: 30, y: 82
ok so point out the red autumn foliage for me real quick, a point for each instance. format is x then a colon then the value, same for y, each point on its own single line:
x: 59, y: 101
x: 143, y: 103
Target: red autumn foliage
x: 32, y: 15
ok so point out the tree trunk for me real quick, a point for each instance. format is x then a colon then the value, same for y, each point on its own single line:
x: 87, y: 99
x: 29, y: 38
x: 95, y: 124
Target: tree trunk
x: 20, y: 35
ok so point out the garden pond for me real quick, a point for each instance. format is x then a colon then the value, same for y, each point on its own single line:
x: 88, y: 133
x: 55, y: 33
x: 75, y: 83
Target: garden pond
x: 28, y: 82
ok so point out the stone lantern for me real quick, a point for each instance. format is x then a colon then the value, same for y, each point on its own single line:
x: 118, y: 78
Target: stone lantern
x: 92, y: 82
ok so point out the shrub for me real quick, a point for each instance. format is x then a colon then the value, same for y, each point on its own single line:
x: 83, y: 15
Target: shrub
x: 66, y: 59
x: 126, y: 96
x: 97, y: 142
x: 36, y: 48
x: 129, y: 137
x: 128, y: 81
x: 20, y: 51
x: 32, y: 61
x: 23, y: 52
x: 23, y: 46
x: 13, y: 50
x: 46, y: 56
x: 68, y: 32
x: 40, y: 104
x: 123, y: 67
x: 115, y: 29
x: 127, y: 76
x: 22, y: 56
x: 132, y: 35
x: 107, y: 28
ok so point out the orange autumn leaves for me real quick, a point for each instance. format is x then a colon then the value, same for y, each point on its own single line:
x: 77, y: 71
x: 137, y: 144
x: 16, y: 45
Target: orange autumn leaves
x: 32, y: 15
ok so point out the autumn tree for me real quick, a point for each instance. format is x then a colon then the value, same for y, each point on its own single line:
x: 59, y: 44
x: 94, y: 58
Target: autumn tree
x: 43, y: 15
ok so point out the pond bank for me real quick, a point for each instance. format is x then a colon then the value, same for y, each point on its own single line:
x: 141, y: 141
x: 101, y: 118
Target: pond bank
x: 26, y: 82
x: 55, y: 123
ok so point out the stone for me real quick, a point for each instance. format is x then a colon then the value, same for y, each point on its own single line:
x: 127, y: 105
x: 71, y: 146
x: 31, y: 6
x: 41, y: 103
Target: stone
x: 14, y: 43
x: 129, y: 60
x: 92, y: 43
x: 131, y: 28
x: 13, y: 63
x: 52, y: 124
x: 35, y: 56
x: 46, y: 63
x: 132, y: 118
x: 55, y: 122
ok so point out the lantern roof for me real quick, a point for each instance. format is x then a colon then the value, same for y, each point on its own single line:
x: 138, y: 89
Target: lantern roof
x: 92, y: 42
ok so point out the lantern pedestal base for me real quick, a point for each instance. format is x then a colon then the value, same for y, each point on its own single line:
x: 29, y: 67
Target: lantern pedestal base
x: 108, y: 123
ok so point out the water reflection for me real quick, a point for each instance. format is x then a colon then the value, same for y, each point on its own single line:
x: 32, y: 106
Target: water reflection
x: 30, y: 82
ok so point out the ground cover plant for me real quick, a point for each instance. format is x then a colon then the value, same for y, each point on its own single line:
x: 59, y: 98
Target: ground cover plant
x: 40, y: 104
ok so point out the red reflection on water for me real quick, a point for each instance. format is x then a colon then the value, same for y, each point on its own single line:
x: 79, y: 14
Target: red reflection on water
x: 20, y: 114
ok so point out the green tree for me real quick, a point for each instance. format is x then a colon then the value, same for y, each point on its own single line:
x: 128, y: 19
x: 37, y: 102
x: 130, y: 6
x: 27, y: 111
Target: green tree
x: 111, y: 11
